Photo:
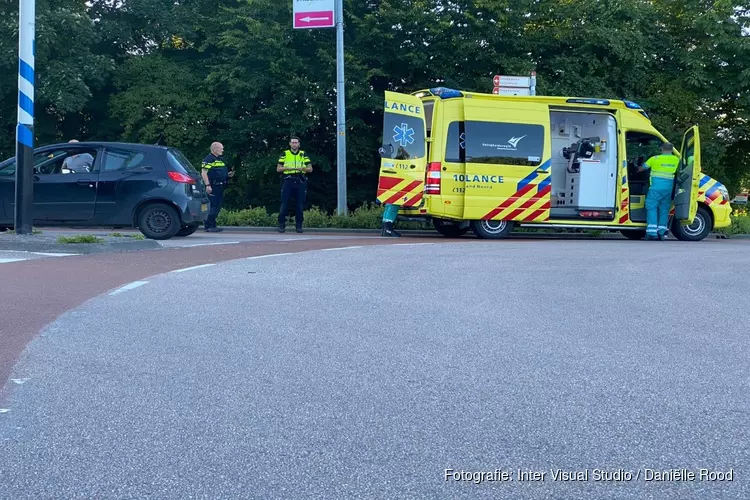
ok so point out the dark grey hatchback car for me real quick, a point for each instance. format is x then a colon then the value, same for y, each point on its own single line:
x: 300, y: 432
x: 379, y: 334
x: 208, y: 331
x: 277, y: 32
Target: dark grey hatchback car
x: 111, y: 184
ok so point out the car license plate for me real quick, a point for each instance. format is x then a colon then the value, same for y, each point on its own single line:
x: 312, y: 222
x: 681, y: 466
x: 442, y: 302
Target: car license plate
x: 204, y: 207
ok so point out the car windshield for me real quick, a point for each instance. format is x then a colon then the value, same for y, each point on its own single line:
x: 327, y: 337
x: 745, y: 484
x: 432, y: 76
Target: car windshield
x: 180, y: 163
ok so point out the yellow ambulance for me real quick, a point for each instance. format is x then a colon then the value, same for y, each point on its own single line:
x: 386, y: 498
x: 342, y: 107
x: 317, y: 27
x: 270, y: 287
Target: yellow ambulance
x: 489, y: 162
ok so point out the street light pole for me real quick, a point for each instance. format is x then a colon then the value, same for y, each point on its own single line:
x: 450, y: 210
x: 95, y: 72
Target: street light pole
x: 25, y: 127
x: 340, y: 110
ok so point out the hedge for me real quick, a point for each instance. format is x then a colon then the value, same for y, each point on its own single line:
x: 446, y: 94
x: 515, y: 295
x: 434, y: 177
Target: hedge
x: 369, y: 216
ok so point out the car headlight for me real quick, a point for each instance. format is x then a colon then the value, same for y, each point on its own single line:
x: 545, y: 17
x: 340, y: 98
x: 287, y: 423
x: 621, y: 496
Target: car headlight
x: 724, y: 192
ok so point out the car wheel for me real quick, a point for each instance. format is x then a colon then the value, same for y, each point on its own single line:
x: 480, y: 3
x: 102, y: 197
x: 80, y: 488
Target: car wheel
x: 699, y: 229
x: 492, y: 229
x: 448, y: 229
x: 633, y: 234
x: 158, y: 221
x: 188, y: 230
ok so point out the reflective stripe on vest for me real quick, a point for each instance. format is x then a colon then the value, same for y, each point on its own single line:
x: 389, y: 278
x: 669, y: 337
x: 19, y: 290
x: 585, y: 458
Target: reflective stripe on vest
x: 663, y: 166
x: 294, y: 161
x: 217, y: 164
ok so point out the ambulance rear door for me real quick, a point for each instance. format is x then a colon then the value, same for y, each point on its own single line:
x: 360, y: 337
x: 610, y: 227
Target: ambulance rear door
x: 404, y: 151
x: 687, y: 178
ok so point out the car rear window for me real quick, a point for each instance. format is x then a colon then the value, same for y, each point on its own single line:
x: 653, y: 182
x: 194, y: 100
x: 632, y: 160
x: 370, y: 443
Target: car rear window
x: 180, y: 163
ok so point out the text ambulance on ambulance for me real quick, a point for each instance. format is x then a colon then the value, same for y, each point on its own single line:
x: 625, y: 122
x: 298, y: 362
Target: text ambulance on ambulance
x: 488, y: 162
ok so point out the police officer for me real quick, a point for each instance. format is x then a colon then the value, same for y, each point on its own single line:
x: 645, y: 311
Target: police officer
x: 293, y: 165
x: 216, y: 177
x: 659, y: 197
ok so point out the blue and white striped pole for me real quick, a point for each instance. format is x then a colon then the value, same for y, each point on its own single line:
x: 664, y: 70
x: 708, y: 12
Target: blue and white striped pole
x: 25, y: 129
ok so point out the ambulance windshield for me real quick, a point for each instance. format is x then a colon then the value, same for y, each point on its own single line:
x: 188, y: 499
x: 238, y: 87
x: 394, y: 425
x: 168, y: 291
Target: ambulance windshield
x: 403, y: 137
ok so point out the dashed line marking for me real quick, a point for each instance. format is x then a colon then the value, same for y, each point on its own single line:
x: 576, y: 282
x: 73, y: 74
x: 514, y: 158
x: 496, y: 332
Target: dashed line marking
x: 339, y: 248
x: 8, y: 261
x: 269, y: 255
x: 4, y: 410
x: 191, y: 268
x: 129, y: 286
x: 19, y: 381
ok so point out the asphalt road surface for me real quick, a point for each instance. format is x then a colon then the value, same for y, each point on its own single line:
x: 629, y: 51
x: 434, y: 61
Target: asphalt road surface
x: 367, y: 371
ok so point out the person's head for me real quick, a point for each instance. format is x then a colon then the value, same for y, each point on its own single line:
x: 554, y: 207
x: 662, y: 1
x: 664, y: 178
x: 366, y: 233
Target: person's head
x: 667, y: 148
x: 72, y: 141
x: 294, y: 143
x: 217, y: 148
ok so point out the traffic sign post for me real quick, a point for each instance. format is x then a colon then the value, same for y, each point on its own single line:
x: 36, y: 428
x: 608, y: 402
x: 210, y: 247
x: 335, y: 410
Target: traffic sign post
x: 514, y: 85
x: 327, y: 14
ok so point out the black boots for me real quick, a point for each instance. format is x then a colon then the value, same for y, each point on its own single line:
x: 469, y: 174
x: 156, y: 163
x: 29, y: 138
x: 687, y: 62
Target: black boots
x: 388, y: 230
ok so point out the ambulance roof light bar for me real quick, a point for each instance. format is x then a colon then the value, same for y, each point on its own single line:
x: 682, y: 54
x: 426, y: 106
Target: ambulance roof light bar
x: 445, y: 93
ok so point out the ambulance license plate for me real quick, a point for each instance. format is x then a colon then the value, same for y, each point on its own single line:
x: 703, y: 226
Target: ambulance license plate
x: 204, y: 207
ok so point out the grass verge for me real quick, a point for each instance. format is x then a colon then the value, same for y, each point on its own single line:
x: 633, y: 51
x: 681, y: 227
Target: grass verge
x: 80, y: 238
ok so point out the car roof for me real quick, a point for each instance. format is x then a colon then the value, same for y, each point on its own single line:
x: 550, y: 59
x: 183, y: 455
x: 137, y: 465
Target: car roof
x: 100, y: 144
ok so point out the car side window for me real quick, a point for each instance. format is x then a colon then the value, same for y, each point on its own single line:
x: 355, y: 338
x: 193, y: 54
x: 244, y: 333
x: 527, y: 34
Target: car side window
x: 116, y: 160
x: 65, y: 161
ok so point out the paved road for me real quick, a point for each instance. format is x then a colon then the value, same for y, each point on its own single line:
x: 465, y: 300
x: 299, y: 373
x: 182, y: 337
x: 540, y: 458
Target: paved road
x: 366, y: 372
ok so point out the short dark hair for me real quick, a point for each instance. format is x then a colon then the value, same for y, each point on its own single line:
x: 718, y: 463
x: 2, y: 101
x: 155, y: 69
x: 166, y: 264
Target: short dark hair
x: 294, y: 137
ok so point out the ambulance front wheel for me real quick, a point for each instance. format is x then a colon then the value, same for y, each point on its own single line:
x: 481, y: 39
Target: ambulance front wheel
x: 492, y: 229
x: 698, y: 230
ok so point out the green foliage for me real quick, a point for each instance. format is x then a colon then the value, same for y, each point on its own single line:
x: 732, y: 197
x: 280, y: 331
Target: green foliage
x: 189, y: 73
x: 134, y: 236
x: 740, y: 225
x: 79, y: 238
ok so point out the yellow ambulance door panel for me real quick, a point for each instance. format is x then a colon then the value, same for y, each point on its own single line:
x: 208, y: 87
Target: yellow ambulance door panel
x: 404, y: 151
x: 452, y: 188
x: 508, y: 165
x: 687, y: 177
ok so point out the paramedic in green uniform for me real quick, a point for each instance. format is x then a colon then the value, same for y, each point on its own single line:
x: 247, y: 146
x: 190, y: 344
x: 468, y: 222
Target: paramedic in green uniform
x: 659, y: 198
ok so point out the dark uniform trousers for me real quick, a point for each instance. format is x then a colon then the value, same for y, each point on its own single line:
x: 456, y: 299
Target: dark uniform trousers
x: 296, y: 185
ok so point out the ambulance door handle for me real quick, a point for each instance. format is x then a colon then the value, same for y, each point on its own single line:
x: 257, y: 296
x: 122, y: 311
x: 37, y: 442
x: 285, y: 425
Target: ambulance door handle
x: 390, y: 171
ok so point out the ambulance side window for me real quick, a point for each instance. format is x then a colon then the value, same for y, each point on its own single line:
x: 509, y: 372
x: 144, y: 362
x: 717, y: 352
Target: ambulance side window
x: 504, y: 143
x: 455, y: 144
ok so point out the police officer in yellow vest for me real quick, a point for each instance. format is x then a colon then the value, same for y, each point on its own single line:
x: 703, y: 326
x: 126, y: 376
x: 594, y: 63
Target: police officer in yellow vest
x: 659, y: 198
x: 215, y: 177
x: 293, y: 165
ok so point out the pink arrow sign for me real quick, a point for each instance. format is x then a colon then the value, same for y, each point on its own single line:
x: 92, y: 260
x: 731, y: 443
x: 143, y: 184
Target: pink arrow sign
x: 321, y: 19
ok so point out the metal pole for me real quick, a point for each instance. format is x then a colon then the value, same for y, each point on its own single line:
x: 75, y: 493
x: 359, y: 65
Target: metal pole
x: 533, y: 83
x: 24, y: 210
x: 340, y: 109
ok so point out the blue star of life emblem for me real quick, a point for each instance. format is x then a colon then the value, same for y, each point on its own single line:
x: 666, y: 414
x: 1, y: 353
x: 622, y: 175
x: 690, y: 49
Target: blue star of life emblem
x: 404, y: 135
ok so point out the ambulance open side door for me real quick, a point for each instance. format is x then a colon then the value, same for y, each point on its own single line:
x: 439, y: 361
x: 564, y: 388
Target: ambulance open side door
x: 687, y: 178
x: 403, y: 155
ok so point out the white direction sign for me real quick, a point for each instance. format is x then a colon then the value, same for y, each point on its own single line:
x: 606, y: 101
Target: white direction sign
x: 510, y: 91
x: 314, y: 14
x: 512, y: 81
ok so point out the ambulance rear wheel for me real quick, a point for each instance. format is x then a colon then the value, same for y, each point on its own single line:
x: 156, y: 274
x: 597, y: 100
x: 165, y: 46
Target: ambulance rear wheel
x: 492, y: 229
x: 449, y: 230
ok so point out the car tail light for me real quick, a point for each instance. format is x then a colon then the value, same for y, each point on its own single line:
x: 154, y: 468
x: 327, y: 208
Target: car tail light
x: 432, y: 181
x: 180, y: 177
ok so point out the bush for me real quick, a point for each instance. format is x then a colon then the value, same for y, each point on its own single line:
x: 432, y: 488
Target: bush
x: 740, y: 225
x: 368, y: 216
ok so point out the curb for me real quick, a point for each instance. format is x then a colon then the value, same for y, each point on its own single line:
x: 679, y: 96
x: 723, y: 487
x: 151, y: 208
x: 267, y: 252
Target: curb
x: 79, y: 248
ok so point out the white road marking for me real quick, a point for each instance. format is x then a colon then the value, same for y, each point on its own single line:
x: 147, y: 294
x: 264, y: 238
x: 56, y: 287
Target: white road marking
x: 7, y: 261
x: 191, y: 268
x: 269, y: 255
x: 19, y: 381
x: 210, y: 244
x: 339, y: 248
x: 55, y: 254
x: 4, y: 410
x: 129, y: 286
x: 294, y: 239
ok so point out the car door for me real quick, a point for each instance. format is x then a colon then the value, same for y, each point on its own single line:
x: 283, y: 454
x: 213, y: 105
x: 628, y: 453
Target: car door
x: 7, y: 189
x: 687, y: 178
x: 124, y: 177
x: 63, y: 197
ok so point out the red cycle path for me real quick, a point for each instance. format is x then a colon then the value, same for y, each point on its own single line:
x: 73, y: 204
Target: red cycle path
x: 35, y: 292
